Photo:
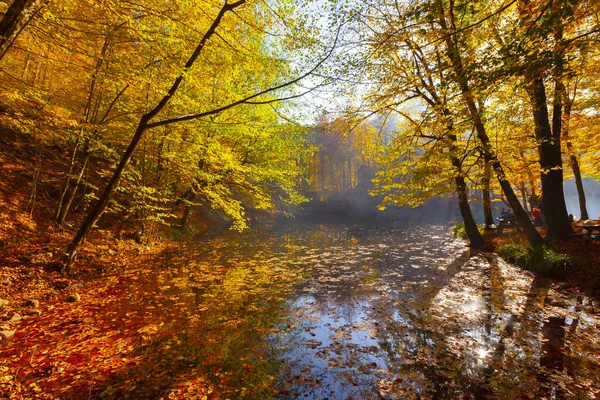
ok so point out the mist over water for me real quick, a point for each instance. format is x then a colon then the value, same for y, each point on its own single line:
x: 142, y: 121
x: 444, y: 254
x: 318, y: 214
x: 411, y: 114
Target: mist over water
x: 592, y: 196
x: 357, y: 206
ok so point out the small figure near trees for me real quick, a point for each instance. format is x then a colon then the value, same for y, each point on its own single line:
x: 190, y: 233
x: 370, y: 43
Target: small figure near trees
x: 537, y: 216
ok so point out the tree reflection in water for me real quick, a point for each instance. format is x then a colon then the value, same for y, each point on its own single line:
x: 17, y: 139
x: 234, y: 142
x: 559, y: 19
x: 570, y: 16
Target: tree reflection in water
x: 374, y: 312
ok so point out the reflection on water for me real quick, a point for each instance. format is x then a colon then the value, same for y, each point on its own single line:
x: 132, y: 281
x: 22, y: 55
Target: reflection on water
x: 409, y: 313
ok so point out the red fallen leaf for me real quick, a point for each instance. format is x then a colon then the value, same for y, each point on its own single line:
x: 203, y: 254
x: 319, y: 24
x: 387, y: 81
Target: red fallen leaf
x: 223, y: 381
x: 247, y: 367
x: 77, y: 359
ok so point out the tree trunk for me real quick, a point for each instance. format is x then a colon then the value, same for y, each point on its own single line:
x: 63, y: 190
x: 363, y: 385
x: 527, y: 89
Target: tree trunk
x: 547, y: 137
x: 523, y: 190
x: 553, y: 200
x: 475, y: 239
x: 64, y: 204
x: 460, y: 76
x: 487, y: 198
x: 432, y: 98
x: 15, y: 19
x: 574, y: 162
x: 64, y: 209
x: 579, y: 184
x: 187, y: 210
x: 67, y: 184
x: 98, y: 209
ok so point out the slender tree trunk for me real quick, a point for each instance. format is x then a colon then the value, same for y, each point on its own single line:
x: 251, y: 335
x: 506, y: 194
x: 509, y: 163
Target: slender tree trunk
x: 431, y: 96
x: 574, y: 162
x: 66, y: 185
x: 532, y: 234
x: 98, y: 209
x: 65, y: 203
x: 64, y: 210
x: 187, y: 210
x: 487, y: 198
x: 475, y: 239
x: 579, y: 184
x: 15, y: 19
x: 523, y: 190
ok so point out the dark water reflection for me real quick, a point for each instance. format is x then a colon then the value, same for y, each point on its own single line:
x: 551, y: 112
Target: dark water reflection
x: 408, y: 312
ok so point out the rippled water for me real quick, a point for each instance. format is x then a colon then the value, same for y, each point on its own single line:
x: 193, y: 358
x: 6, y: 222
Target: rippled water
x: 380, y: 312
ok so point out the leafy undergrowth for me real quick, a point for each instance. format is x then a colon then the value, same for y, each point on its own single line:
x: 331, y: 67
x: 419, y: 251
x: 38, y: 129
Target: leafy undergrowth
x: 540, y: 260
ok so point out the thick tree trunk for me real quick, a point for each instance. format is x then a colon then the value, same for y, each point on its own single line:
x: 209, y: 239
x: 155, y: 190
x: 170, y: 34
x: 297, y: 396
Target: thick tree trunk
x: 15, y: 19
x: 548, y: 138
x: 553, y: 200
x: 487, y: 198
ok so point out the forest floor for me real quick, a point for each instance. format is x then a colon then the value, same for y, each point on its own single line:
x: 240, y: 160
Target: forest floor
x: 110, y: 324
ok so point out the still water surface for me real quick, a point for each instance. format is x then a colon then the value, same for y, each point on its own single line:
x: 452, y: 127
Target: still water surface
x: 374, y: 312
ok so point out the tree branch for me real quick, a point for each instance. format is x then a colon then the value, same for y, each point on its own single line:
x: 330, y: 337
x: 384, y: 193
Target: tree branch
x: 247, y: 100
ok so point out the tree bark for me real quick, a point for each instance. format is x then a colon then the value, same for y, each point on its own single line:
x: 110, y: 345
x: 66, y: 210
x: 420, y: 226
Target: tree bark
x: 547, y: 137
x: 187, y: 210
x: 100, y: 207
x: 66, y: 204
x: 574, y: 162
x: 523, y: 190
x: 553, y: 199
x: 15, y: 19
x: 476, y: 241
x: 487, y: 198
x: 430, y: 95
x: 579, y: 184
x: 460, y: 76
x: 81, y: 152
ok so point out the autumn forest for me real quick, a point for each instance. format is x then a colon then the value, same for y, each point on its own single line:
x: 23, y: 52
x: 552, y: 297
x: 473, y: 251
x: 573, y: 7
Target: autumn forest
x: 279, y: 199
